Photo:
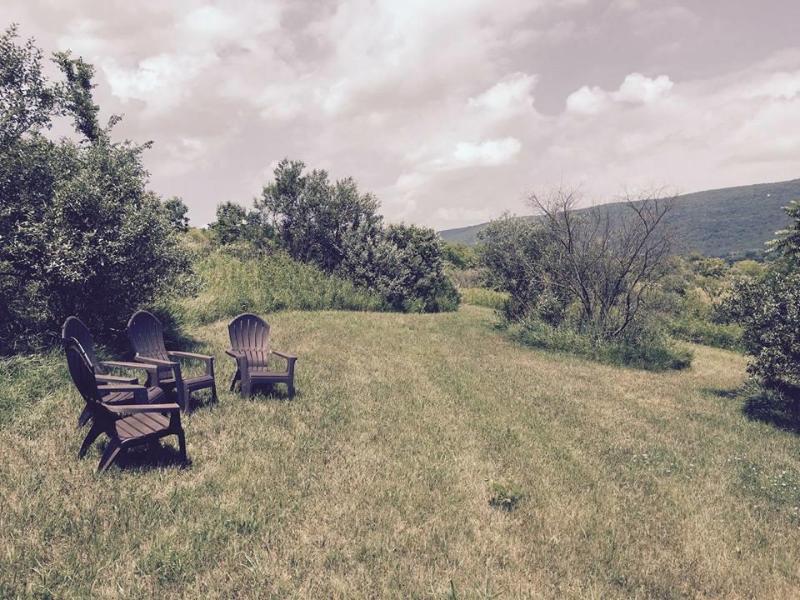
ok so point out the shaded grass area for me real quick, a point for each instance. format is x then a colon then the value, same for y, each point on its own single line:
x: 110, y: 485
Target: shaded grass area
x: 423, y: 454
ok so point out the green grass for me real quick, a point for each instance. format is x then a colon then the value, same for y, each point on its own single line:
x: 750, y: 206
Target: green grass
x: 230, y: 285
x: 652, y: 350
x: 704, y: 331
x: 478, y: 296
x: 423, y: 455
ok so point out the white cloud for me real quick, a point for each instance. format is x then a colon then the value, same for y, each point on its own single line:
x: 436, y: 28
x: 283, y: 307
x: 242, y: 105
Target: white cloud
x: 433, y: 105
x: 640, y: 89
x: 158, y: 80
x: 635, y: 89
x: 489, y: 153
x: 587, y: 101
x: 510, y: 96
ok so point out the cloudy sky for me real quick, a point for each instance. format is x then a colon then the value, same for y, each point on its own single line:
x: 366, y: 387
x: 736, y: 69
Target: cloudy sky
x: 450, y: 111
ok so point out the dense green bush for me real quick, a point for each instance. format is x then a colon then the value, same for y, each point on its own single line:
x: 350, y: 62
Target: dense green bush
x: 235, y: 280
x: 402, y: 263
x: 513, y: 253
x: 459, y: 255
x: 337, y: 228
x: 235, y: 224
x: 769, y: 311
x: 79, y: 232
x: 768, y: 308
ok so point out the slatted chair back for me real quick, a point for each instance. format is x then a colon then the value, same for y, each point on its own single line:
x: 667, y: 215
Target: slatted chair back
x: 81, y: 371
x: 74, y: 328
x: 146, y: 335
x: 249, y: 333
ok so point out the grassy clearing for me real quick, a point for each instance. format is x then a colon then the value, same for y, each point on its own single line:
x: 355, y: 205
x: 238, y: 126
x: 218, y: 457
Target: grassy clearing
x: 424, y: 454
x: 478, y: 296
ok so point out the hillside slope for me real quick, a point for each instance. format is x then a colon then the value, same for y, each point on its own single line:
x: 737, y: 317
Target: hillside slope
x: 378, y: 478
x: 730, y: 222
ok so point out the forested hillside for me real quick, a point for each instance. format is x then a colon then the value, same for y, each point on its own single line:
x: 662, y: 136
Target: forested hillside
x: 730, y: 222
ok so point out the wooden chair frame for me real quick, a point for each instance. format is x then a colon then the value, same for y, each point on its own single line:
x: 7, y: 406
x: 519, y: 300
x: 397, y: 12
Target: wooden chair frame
x: 131, y: 422
x: 146, y: 335
x: 250, y: 347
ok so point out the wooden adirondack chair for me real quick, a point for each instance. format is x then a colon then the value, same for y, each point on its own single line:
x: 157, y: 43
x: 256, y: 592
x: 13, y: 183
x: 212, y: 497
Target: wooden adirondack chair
x: 134, y: 417
x: 74, y: 328
x: 250, y: 347
x: 147, y: 338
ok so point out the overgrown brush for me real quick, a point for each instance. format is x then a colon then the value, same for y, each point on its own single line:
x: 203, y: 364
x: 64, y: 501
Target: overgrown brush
x: 648, y: 349
x: 231, y: 284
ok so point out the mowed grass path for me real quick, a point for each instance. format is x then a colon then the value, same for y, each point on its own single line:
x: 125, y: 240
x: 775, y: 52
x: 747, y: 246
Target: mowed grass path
x: 375, y: 480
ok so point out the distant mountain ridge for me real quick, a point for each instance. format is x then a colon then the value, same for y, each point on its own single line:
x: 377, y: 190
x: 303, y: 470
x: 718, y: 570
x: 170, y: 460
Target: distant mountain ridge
x: 729, y: 222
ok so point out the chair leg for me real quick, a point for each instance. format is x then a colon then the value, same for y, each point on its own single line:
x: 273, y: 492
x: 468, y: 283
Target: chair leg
x: 182, y: 444
x: 83, y: 419
x: 89, y: 440
x: 109, y: 455
x: 291, y: 390
x: 234, y: 379
x: 246, y: 388
x: 187, y: 400
x: 214, y: 397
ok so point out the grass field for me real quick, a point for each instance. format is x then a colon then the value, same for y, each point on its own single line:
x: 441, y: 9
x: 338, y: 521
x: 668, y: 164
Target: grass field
x: 392, y: 471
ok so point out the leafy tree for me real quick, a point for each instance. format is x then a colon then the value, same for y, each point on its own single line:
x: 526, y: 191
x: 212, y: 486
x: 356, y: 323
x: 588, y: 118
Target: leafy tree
x: 338, y: 228
x: 312, y: 216
x: 513, y: 251
x: 787, y: 245
x: 176, y: 214
x: 768, y: 307
x: 237, y: 224
x: 79, y: 231
x: 459, y: 255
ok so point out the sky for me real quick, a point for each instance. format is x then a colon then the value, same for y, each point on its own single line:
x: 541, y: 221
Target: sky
x: 450, y: 112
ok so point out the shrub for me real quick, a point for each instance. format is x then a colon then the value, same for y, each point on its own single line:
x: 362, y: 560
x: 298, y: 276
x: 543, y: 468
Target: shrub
x: 768, y: 308
x: 639, y: 348
x: 460, y: 255
x: 408, y: 271
x: 337, y: 228
x: 703, y: 331
x: 79, y: 232
x: 585, y: 281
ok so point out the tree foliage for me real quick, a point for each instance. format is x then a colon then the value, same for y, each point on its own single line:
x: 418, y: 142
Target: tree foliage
x: 768, y: 307
x: 593, y: 266
x: 176, y: 210
x: 79, y: 231
x: 338, y: 228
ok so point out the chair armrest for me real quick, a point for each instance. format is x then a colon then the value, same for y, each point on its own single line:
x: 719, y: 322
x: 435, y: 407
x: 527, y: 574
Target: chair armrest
x: 151, y: 369
x: 189, y: 355
x: 156, y: 361
x: 107, y: 379
x: 284, y: 355
x: 208, y: 360
x: 143, y: 408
